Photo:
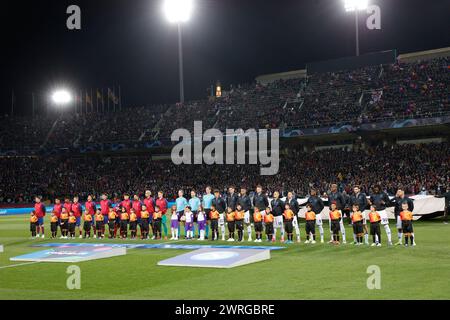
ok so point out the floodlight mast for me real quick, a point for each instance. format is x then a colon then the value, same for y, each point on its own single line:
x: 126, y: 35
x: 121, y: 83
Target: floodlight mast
x: 356, y: 6
x: 179, y: 11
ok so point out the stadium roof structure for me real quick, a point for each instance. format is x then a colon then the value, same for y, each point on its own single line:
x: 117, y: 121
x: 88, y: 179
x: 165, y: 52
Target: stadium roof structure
x: 269, y: 78
x: 424, y: 55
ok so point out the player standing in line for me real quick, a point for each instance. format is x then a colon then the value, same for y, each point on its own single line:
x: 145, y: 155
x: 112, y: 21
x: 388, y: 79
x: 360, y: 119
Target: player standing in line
x: 360, y: 199
x: 68, y: 205
x: 257, y: 220
x: 246, y: 205
x: 239, y: 221
x: 99, y: 223
x: 64, y: 223
x: 268, y: 221
x: 145, y: 216
x: 260, y: 201
x: 399, y: 199
x: 407, y: 218
x: 124, y: 217
x: 133, y: 224
x: 174, y: 223
x: 105, y: 205
x: 230, y: 223
x: 90, y: 207
x: 149, y: 202
x: 317, y: 206
x: 39, y: 209
x: 380, y: 199
x: 335, y: 217
x: 277, y: 210
x: 137, y: 207
x: 162, y: 203
x: 220, y: 205
x: 33, y: 224
x: 54, y: 225
x: 214, y: 215
x: 288, y: 217
x: 335, y: 196
x: 72, y: 225
x: 57, y: 208
x: 189, y: 217
x: 310, y: 225
x: 375, y: 231
x: 201, y: 221
x: 87, y: 223
x: 194, y: 202
x: 293, y: 203
x: 157, y: 218
x: 77, y: 212
x: 111, y: 221
x: 206, y: 203
x: 181, y: 203
x: 357, y: 221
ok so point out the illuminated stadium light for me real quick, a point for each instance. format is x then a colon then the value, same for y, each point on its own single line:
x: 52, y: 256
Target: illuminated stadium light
x: 355, y: 5
x: 61, y: 97
x: 178, y: 11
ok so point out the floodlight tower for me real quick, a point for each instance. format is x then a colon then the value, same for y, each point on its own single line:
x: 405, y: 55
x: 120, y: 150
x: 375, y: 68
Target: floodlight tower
x: 356, y: 6
x: 179, y: 12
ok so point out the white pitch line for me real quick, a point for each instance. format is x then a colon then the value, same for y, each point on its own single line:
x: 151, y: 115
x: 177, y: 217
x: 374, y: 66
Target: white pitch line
x: 19, y: 264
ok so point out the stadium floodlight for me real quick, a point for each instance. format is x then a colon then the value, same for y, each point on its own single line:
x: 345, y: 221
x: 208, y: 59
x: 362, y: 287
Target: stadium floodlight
x: 61, y: 97
x: 356, y: 6
x: 179, y: 11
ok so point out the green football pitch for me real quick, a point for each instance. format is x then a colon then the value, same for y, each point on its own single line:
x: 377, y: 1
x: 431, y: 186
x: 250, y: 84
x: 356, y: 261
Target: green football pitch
x: 300, y: 271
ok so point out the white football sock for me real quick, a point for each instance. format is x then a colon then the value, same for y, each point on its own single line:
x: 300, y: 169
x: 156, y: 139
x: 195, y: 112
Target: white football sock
x: 321, y: 233
x: 388, y: 232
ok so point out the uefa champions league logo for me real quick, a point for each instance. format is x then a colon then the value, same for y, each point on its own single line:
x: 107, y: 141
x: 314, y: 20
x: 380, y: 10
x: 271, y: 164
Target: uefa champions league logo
x: 214, y: 256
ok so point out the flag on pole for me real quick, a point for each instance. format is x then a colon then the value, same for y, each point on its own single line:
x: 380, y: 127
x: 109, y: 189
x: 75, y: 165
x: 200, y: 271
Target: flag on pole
x: 112, y: 96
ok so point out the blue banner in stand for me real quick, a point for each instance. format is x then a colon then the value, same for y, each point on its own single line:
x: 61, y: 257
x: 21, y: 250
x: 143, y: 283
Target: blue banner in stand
x: 155, y: 246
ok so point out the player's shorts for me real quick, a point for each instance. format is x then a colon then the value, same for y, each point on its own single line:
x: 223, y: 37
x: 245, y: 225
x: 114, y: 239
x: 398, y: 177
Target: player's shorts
x: 374, y: 228
x: 288, y: 227
x: 269, y: 228
x: 53, y: 226
x: 407, y: 226
x: 239, y: 225
x: 99, y: 225
x: 278, y: 222
x: 33, y: 226
x: 72, y: 227
x: 87, y: 225
x: 258, y: 226
x: 335, y: 226
x: 123, y: 225
x: 384, y: 217
x: 358, y: 227
x: 194, y: 216
x: 78, y: 221
x: 180, y: 214
x: 221, y: 219
x: 310, y: 227
x: 40, y: 221
x: 207, y: 213
x: 319, y: 220
x: 399, y: 222
x: 247, y: 217
x: 231, y: 225
x: 133, y: 225
x: 214, y: 224
x: 105, y: 218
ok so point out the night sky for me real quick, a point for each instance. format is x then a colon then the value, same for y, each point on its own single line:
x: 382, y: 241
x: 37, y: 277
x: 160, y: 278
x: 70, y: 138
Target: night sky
x: 129, y: 42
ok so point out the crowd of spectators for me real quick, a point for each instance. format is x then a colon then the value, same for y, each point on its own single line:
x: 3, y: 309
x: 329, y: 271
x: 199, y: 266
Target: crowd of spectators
x: 412, y: 167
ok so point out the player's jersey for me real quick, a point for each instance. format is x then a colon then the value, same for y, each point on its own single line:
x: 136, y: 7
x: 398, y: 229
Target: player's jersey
x: 126, y: 204
x: 268, y: 218
x: 137, y: 206
x: 72, y: 219
x: 57, y: 208
x: 288, y: 215
x: 239, y: 215
x: 99, y: 217
x: 257, y: 217
x: 335, y: 215
x: 201, y: 216
x: 90, y: 207
x: 54, y: 219
x: 112, y: 215
x: 33, y: 219
x: 230, y: 216
x: 124, y: 216
x: 145, y: 214
x: 150, y: 204
x: 357, y: 216
x: 64, y: 216
x: 104, y: 206
x: 406, y: 215
x: 87, y: 217
x: 188, y: 216
x: 214, y: 215
x: 174, y: 216
x: 310, y: 216
x: 77, y: 209
x: 374, y: 217
x: 39, y: 209
x: 133, y: 217
x: 157, y: 215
